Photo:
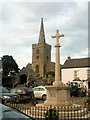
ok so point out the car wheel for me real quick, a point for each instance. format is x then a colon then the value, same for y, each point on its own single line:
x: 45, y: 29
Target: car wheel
x: 44, y: 97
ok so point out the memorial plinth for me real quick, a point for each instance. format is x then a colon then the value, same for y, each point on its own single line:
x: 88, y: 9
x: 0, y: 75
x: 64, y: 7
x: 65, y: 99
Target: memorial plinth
x: 58, y: 94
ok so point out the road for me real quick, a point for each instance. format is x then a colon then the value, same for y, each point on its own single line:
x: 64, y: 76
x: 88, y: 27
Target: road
x: 75, y: 100
x: 40, y: 101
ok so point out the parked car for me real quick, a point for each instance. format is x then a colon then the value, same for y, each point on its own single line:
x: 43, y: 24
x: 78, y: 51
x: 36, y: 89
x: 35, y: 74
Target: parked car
x: 76, y: 90
x: 26, y: 94
x: 40, y: 92
x: 5, y: 95
x: 11, y: 114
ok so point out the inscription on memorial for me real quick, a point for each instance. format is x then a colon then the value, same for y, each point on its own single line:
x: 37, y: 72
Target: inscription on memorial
x: 53, y: 94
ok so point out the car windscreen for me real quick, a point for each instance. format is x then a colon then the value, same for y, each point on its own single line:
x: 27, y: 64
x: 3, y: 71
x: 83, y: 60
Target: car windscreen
x: 3, y: 90
x: 35, y: 89
x: 16, y: 90
x: 14, y: 114
x: 41, y: 89
x: 28, y: 90
x: 73, y: 84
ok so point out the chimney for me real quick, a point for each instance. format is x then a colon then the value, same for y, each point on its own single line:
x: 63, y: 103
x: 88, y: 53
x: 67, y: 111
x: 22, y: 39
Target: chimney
x: 68, y: 58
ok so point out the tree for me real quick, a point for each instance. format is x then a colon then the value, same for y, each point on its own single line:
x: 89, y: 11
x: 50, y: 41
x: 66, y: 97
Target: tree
x: 9, y: 66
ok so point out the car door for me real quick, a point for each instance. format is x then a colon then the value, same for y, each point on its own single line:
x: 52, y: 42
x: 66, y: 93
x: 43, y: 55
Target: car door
x: 36, y: 92
x: 41, y: 92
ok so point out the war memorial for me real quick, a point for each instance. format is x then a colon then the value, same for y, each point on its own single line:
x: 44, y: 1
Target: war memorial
x: 58, y: 93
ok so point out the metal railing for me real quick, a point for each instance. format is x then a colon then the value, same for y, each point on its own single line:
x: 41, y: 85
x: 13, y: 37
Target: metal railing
x: 74, y: 112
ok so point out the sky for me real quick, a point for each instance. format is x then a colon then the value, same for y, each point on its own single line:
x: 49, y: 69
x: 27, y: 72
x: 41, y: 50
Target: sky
x: 20, y: 27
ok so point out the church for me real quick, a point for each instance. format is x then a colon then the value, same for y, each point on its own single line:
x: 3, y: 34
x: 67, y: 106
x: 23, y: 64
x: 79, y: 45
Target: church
x: 41, y: 55
x: 41, y: 59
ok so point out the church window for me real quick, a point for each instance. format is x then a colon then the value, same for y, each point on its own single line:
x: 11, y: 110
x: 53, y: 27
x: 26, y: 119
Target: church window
x: 37, y: 51
x: 47, y: 57
x: 37, y: 57
x: 37, y: 68
x: 44, y: 69
x: 47, y: 51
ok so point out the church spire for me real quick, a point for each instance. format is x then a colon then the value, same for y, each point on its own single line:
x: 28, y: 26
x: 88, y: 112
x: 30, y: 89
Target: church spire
x: 41, y: 35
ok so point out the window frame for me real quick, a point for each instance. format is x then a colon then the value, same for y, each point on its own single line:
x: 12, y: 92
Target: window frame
x: 88, y: 73
x: 76, y: 73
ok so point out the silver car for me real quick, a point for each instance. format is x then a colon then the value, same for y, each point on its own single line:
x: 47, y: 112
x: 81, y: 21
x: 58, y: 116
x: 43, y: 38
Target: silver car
x: 40, y: 92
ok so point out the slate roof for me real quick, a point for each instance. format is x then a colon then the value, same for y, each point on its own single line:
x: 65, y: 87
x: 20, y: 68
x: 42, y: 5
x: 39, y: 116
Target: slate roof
x: 28, y: 70
x: 77, y: 63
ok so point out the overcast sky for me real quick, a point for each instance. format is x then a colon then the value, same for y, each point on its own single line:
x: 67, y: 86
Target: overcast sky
x: 20, y: 26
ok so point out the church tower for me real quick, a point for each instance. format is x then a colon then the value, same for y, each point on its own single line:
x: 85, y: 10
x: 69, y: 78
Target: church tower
x: 41, y: 53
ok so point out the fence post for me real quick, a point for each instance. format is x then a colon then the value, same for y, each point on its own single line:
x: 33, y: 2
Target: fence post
x: 50, y: 112
x: 87, y: 105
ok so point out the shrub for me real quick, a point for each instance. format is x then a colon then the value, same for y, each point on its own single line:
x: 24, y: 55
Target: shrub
x: 50, y: 73
x: 88, y: 101
x: 7, y: 81
x: 51, y: 114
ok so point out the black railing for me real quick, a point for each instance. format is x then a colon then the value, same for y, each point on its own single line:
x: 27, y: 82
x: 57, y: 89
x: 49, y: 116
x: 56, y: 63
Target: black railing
x: 75, y: 112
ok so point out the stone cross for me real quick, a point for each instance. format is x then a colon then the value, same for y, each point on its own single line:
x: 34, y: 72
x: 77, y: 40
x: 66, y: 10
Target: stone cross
x: 57, y: 61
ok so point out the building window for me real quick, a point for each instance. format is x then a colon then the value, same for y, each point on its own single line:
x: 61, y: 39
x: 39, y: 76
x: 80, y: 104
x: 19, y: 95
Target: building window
x: 44, y: 69
x: 37, y: 51
x: 37, y: 57
x: 88, y: 73
x: 37, y: 68
x: 47, y: 57
x: 76, y: 73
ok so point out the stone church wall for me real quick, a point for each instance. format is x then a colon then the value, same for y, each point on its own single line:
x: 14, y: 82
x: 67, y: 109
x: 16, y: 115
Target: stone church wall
x: 50, y: 67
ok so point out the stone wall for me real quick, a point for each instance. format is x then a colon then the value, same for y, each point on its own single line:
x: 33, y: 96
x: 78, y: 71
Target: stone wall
x: 41, y: 54
x: 50, y: 66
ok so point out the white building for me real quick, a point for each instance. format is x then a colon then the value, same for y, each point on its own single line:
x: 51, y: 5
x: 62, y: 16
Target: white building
x: 76, y: 69
x: 0, y: 72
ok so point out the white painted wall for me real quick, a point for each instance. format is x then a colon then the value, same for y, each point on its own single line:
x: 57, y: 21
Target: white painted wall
x: 68, y: 74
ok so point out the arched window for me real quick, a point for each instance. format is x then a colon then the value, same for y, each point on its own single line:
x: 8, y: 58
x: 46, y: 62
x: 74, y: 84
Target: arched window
x: 44, y: 69
x: 47, y: 58
x: 37, y: 68
x: 37, y: 57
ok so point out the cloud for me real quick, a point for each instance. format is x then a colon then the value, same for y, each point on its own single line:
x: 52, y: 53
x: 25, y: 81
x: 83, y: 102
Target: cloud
x: 21, y: 25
